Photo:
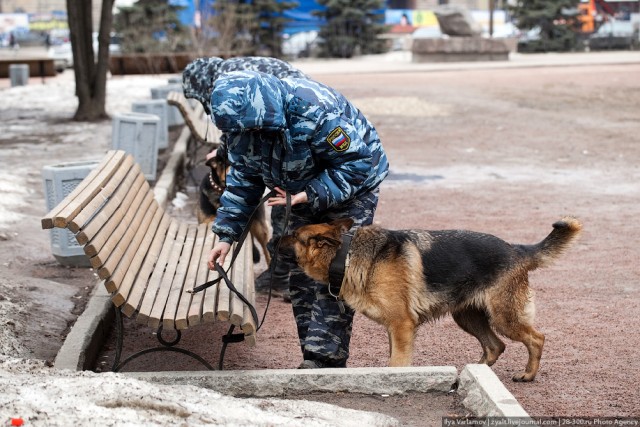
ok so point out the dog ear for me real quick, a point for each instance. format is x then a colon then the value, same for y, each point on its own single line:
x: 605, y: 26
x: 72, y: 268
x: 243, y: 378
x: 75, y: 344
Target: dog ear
x: 322, y: 240
x: 343, y: 224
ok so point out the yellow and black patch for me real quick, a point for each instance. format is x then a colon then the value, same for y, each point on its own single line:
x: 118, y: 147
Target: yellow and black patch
x: 338, y: 139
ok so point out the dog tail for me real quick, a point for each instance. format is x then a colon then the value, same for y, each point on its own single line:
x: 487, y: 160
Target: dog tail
x: 564, y: 233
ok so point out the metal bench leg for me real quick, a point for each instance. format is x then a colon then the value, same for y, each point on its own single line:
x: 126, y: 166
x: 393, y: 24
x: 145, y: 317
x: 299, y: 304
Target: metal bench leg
x: 230, y: 337
x: 166, y: 346
x: 119, y: 333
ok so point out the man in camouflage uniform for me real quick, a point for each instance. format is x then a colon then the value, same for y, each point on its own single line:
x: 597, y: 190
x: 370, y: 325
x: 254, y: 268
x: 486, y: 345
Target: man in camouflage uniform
x: 198, y: 80
x: 299, y: 137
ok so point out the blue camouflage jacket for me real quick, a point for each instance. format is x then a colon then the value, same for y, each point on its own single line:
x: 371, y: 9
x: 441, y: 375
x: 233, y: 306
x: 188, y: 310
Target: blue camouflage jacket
x: 296, y: 134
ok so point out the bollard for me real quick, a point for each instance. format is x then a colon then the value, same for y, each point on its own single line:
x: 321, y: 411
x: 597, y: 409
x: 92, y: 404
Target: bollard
x: 60, y: 180
x: 19, y: 74
x: 159, y: 108
x: 137, y: 134
x: 161, y: 92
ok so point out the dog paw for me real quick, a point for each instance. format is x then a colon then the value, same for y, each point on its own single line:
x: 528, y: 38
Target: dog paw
x: 488, y: 362
x: 523, y: 378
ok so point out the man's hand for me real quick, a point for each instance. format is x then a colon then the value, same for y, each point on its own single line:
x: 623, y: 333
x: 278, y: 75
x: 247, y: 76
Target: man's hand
x: 218, y: 255
x: 281, y: 198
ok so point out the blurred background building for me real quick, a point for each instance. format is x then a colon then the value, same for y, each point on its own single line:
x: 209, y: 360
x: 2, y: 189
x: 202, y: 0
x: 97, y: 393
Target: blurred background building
x: 33, y: 22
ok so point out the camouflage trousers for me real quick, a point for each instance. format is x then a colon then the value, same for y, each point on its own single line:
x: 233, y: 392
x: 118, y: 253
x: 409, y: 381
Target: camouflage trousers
x: 324, y: 332
x: 277, y: 225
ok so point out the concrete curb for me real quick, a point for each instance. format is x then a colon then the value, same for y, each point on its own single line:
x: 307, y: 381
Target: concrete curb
x: 265, y: 383
x: 82, y: 345
x: 485, y: 395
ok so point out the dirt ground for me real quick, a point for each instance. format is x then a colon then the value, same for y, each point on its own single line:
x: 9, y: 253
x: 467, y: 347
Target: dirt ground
x: 505, y: 151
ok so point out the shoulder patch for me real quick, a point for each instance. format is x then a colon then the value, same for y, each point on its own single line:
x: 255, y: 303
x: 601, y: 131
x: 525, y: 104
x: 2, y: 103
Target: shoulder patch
x: 338, y: 139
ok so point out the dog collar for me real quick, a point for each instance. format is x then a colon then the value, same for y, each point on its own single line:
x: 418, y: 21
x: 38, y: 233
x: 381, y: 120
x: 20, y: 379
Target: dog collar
x: 217, y: 188
x: 338, y: 265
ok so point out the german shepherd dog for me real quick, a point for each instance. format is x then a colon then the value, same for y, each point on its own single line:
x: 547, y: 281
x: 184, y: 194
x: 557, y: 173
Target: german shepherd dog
x: 403, y: 278
x: 211, y: 188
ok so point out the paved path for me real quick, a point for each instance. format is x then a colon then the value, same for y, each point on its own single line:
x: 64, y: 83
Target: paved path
x: 400, y: 61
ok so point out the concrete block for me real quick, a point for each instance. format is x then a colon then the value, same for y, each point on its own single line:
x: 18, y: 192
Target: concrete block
x: 160, y: 108
x: 455, y: 49
x: 161, y: 92
x: 19, y: 74
x: 59, y: 181
x: 138, y: 134
x: 264, y: 383
x: 485, y: 395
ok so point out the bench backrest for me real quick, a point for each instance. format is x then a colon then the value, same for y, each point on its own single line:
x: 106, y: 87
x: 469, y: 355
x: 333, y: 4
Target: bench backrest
x: 147, y: 259
x: 199, y: 124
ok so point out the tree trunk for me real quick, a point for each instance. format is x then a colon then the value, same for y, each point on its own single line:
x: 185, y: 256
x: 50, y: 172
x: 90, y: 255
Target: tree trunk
x: 90, y: 75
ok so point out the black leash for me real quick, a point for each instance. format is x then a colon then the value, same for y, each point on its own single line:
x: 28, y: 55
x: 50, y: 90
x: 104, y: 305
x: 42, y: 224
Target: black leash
x: 276, y: 251
x: 223, y: 275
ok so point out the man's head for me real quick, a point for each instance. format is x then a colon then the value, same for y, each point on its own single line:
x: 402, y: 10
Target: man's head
x: 198, y: 80
x: 248, y: 100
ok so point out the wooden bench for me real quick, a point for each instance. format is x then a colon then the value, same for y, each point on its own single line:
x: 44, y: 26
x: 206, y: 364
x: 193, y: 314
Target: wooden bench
x: 201, y: 128
x: 148, y: 260
x: 38, y: 67
x: 149, y: 63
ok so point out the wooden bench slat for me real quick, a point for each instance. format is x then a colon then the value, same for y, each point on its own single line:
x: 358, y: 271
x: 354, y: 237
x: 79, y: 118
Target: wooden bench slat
x: 138, y: 281
x: 156, y: 277
x: 202, y: 129
x: 88, y: 187
x: 132, y: 258
x: 223, y: 310
x: 236, y: 305
x: 118, y: 243
x: 230, y: 307
x: 101, y: 241
x: 211, y: 303
x: 81, y: 218
x: 250, y: 339
x: 90, y: 222
x: 182, y: 313
x: 177, y: 284
x: 197, y: 302
x: 167, y: 278
x: 248, y: 324
x: 209, y: 133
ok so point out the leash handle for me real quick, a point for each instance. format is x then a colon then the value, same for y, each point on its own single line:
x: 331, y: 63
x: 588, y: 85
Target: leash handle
x: 232, y: 288
x: 236, y: 252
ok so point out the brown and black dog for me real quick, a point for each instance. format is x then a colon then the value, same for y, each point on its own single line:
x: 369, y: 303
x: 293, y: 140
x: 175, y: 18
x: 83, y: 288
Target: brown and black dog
x: 403, y: 278
x: 211, y: 188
